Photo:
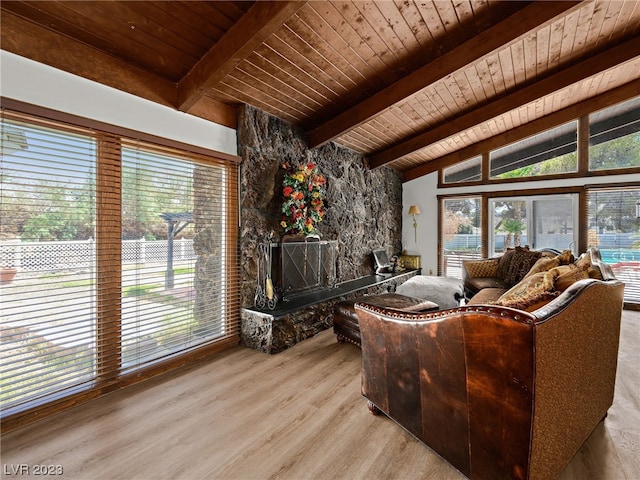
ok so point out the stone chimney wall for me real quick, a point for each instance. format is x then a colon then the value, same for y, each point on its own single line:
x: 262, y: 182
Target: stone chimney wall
x: 364, y: 207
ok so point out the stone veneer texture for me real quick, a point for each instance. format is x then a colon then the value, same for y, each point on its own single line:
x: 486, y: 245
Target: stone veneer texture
x: 364, y: 207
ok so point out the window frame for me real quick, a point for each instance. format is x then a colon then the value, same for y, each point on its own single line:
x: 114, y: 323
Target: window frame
x: 540, y: 126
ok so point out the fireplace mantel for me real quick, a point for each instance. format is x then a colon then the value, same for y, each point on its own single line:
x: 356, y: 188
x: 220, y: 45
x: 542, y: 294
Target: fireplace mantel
x: 302, y: 316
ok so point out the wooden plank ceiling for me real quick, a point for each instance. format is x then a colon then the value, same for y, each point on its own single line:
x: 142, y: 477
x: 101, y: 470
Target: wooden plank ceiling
x: 415, y: 85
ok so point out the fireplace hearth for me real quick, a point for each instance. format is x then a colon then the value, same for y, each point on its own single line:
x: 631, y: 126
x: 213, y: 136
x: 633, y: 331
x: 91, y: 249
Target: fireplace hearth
x: 304, y: 315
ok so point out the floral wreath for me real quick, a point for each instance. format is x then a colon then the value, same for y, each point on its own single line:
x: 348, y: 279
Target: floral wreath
x: 303, y: 206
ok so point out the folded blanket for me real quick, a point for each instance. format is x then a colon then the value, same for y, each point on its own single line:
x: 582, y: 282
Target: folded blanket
x: 445, y: 291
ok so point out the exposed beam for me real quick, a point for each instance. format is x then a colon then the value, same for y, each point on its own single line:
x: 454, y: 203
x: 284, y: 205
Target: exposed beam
x: 524, y: 20
x: 561, y: 79
x: 42, y: 45
x: 248, y: 33
x: 567, y: 114
x: 217, y: 112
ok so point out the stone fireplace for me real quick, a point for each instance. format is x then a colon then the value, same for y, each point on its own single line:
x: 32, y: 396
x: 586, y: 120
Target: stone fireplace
x: 364, y: 207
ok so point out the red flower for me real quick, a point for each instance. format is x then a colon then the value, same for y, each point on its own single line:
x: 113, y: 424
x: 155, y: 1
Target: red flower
x: 287, y: 191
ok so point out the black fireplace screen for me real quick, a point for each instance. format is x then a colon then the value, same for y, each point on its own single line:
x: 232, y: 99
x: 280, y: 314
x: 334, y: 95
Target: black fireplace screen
x: 307, y: 266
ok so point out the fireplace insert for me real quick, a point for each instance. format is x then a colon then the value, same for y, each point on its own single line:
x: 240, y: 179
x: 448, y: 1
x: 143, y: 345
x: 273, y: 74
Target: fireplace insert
x: 307, y: 266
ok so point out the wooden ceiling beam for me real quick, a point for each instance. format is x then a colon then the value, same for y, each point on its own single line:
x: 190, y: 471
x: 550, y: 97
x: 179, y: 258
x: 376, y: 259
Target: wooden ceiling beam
x: 561, y: 79
x: 42, y: 45
x: 573, y: 112
x: 254, y: 27
x: 529, y: 17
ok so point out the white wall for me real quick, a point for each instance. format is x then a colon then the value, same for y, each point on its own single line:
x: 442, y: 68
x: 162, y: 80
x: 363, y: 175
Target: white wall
x: 424, y: 192
x: 31, y: 82
x: 421, y: 192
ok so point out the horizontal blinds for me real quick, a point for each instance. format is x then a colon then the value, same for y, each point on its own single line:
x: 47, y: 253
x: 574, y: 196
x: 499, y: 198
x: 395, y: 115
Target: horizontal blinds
x: 553, y: 143
x: 173, y: 297
x: 614, y: 227
x: 47, y: 221
x: 100, y: 291
x: 461, y: 233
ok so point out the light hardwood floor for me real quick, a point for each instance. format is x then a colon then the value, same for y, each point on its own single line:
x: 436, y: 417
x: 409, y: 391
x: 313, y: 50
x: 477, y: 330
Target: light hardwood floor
x: 294, y: 415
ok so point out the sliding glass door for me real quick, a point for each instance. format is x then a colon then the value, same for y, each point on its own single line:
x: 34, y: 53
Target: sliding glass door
x: 545, y: 221
x: 122, y: 255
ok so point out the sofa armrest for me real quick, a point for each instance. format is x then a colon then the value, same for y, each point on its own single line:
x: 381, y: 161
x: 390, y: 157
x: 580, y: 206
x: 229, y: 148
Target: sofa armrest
x: 576, y: 343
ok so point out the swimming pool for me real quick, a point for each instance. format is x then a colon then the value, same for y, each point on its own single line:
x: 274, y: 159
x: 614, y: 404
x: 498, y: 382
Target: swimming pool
x: 620, y: 255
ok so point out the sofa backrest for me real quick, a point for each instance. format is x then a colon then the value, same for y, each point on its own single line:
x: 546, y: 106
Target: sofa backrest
x: 549, y: 277
x: 498, y: 392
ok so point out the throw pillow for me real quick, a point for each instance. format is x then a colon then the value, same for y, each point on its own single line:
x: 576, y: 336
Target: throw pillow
x: 567, y: 275
x: 504, y: 263
x: 594, y: 272
x: 482, y: 268
x: 522, y: 261
x: 584, y: 262
x: 531, y: 293
x: 566, y: 257
x: 545, y: 263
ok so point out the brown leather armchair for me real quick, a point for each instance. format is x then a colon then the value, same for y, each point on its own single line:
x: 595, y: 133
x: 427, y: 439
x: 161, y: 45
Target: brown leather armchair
x: 497, y: 392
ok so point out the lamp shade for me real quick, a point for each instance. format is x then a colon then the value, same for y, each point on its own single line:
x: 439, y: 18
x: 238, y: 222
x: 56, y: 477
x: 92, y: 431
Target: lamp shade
x: 414, y: 210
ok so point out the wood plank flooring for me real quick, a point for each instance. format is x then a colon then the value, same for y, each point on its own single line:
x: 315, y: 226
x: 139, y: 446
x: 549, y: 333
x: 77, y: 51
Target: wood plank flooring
x: 294, y: 415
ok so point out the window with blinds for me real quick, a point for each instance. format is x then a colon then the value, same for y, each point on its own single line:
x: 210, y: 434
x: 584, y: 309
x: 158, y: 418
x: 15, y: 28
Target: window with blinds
x: 460, y: 233
x: 614, y: 227
x: 47, y: 222
x: 123, y: 254
x: 467, y: 171
x: 614, y: 137
x: 551, y: 152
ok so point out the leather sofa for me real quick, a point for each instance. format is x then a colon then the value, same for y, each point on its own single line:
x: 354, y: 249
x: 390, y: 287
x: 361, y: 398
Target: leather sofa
x: 498, y: 392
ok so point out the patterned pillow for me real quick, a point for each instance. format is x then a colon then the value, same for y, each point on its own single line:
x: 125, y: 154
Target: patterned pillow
x: 567, y: 275
x: 522, y: 261
x: 594, y: 272
x: 566, y: 257
x: 531, y: 293
x: 482, y: 268
x: 545, y: 263
x: 584, y: 262
x: 504, y: 264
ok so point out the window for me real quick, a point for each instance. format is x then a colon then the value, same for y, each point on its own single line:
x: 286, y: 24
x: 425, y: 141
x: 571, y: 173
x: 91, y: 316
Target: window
x: 549, y: 153
x: 467, y: 171
x: 124, y: 252
x: 614, y: 227
x: 461, y: 233
x: 544, y: 221
x: 614, y: 137
x: 47, y: 212
x: 161, y: 312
